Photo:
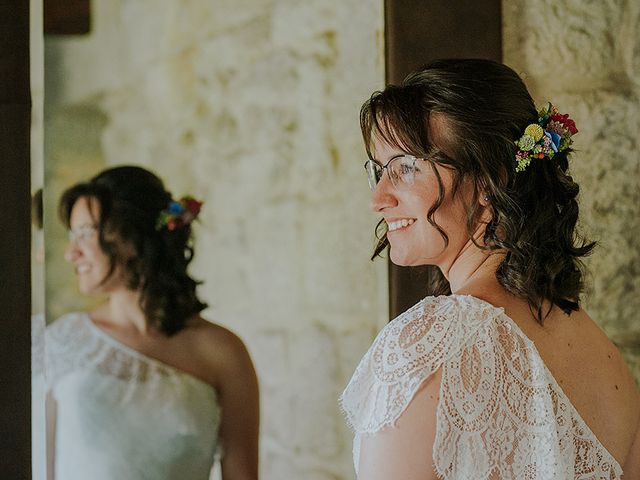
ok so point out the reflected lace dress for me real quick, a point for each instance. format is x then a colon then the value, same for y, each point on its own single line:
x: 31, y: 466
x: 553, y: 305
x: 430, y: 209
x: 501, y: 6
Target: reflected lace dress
x: 38, y: 432
x: 122, y: 415
x: 501, y: 413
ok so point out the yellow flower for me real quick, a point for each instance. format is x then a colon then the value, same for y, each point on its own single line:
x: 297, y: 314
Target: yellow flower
x: 535, y: 131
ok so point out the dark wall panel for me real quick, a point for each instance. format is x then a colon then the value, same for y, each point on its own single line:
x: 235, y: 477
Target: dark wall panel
x: 15, y: 303
x: 416, y: 32
x: 66, y: 17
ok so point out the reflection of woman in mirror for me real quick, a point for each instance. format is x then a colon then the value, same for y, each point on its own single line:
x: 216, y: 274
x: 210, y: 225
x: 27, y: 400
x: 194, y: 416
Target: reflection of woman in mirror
x: 505, y: 376
x: 142, y: 387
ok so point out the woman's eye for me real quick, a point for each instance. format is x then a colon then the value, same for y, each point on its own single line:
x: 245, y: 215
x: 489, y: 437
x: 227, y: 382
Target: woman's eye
x: 406, y: 169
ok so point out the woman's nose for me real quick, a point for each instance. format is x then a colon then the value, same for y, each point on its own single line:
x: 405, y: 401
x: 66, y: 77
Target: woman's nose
x: 72, y: 251
x: 383, y: 196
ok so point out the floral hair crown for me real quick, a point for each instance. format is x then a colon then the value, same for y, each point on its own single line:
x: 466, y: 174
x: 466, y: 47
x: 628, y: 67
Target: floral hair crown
x: 552, y: 134
x: 178, y: 214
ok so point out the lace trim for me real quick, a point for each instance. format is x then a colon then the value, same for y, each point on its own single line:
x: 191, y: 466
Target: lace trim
x: 73, y: 342
x: 501, y: 413
x: 37, y: 345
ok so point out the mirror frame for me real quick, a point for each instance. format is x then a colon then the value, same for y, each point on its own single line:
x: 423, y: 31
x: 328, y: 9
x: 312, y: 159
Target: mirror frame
x: 15, y: 241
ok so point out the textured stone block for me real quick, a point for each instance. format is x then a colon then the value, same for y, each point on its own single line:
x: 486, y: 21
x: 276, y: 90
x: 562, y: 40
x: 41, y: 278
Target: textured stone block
x: 584, y: 58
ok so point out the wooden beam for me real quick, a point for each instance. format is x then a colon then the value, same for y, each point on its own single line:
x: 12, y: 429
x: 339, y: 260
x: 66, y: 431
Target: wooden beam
x: 15, y: 236
x: 66, y: 17
x: 417, y: 32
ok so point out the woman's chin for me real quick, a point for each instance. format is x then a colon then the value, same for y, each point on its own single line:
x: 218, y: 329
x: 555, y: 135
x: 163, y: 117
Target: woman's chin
x: 86, y: 290
x: 407, y: 259
x: 89, y: 288
x: 401, y: 259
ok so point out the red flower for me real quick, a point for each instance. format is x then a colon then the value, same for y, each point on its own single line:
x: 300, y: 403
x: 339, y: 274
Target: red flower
x: 571, y: 126
x: 568, y: 123
x: 193, y: 205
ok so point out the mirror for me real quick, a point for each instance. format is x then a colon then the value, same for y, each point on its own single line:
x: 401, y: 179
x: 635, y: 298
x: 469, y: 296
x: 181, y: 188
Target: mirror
x: 253, y: 108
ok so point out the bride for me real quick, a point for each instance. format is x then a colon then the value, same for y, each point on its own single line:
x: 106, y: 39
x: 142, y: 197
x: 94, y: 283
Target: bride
x: 142, y: 387
x: 507, y: 377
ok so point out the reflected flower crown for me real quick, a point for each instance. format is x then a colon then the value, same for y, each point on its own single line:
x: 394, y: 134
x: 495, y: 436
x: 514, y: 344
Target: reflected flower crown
x: 178, y: 214
x: 552, y: 134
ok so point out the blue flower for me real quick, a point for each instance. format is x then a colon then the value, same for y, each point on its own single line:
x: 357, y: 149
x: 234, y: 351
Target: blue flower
x: 175, y: 208
x: 555, y: 139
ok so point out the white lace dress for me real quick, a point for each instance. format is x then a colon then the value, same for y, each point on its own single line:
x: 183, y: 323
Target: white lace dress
x: 501, y: 413
x: 122, y: 415
x: 38, y: 432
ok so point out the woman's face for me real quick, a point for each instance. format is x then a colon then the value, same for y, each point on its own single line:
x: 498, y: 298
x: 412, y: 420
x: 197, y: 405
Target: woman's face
x: 91, y: 264
x: 413, y: 240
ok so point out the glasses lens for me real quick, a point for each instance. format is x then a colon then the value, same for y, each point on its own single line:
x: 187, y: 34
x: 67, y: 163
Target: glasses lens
x: 374, y: 172
x: 402, y: 170
x: 82, y: 234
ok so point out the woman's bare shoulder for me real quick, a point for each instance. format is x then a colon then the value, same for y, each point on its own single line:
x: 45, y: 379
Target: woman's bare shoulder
x: 217, y: 348
x: 594, y: 375
x: 211, y: 337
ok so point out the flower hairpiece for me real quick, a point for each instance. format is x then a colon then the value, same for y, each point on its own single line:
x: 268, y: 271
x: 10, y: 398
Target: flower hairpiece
x: 552, y: 134
x: 179, y: 213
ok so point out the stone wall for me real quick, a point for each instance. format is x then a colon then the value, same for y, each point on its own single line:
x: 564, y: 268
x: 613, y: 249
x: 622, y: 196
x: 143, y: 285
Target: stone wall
x: 585, y: 58
x: 253, y: 107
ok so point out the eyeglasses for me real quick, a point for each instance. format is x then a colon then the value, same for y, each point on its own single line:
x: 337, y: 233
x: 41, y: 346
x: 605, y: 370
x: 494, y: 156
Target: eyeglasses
x: 401, y: 170
x: 83, y: 234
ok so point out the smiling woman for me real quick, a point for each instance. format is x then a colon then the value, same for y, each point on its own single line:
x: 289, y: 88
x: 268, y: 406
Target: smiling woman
x: 507, y: 377
x: 138, y: 384
x: 91, y: 264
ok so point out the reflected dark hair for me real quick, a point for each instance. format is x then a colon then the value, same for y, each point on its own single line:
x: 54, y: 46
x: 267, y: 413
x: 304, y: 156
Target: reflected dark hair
x: 130, y: 200
x: 37, y: 219
x: 486, y: 107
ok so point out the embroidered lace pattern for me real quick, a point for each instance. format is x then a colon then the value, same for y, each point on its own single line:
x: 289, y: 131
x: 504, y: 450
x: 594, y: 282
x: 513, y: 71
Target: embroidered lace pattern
x: 93, y: 350
x: 501, y: 413
x: 74, y: 343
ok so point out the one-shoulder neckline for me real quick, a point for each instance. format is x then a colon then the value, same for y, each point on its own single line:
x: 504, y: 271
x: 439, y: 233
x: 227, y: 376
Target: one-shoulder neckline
x: 500, y: 312
x: 142, y: 356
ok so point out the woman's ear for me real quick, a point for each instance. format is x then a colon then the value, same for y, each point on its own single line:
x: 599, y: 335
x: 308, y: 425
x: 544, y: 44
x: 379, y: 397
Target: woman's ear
x: 486, y: 213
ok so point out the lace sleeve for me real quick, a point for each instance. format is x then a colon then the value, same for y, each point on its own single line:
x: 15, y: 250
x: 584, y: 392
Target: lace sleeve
x: 502, y: 415
x: 67, y: 346
x: 405, y: 353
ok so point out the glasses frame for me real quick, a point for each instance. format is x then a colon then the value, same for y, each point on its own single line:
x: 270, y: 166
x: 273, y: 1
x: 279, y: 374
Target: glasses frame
x: 375, y: 170
x: 82, y: 234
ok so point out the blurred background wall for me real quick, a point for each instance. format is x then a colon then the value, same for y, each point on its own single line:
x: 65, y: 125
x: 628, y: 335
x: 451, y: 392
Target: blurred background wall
x: 252, y: 105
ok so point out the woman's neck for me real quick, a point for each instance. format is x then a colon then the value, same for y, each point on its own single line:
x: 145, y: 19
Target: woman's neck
x: 123, y: 311
x: 472, y: 267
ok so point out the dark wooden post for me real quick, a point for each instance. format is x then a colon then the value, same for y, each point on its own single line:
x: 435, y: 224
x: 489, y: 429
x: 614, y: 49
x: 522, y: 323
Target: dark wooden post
x: 15, y: 238
x: 418, y: 31
x: 66, y: 17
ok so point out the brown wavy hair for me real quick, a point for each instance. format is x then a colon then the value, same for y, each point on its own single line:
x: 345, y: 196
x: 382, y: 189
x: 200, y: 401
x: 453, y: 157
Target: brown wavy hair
x: 533, y: 213
x: 131, y: 199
